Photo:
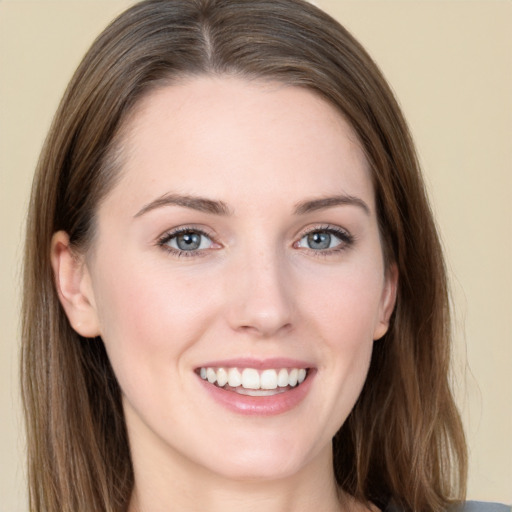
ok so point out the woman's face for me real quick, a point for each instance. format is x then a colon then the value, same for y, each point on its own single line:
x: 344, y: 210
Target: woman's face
x: 239, y: 251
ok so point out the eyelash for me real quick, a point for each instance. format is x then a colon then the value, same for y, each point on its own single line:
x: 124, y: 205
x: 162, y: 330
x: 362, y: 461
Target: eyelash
x: 346, y: 240
x: 169, y: 235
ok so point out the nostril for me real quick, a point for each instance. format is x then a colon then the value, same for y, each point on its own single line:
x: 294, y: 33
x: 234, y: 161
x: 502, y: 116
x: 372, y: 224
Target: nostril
x: 265, y: 331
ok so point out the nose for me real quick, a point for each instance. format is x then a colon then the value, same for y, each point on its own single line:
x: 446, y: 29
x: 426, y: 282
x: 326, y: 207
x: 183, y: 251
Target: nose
x: 260, y: 296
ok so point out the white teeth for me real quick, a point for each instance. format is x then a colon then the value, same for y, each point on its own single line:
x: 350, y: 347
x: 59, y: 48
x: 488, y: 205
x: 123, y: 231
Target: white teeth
x: 282, y: 378
x: 268, y: 379
x: 211, y: 375
x: 260, y: 392
x: 234, y: 378
x: 252, y: 379
x: 222, y: 377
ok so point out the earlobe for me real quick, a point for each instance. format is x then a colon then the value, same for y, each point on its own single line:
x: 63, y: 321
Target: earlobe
x: 74, y: 286
x: 387, y: 302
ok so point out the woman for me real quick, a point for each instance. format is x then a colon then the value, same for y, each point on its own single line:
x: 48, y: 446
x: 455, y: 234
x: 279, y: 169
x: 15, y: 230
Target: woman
x: 234, y: 290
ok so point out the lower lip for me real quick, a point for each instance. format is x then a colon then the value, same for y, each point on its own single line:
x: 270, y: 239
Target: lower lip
x: 260, y: 405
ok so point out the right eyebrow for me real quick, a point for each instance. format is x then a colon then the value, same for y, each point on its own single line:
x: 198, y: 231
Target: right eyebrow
x: 201, y: 204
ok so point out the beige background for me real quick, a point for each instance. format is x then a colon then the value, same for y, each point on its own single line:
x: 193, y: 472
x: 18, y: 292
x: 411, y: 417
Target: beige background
x: 450, y: 63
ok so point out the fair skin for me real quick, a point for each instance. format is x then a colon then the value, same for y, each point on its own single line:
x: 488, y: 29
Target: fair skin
x: 280, y: 268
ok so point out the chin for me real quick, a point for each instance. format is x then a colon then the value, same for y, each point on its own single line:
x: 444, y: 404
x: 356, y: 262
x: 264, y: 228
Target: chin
x: 264, y: 459
x: 250, y: 470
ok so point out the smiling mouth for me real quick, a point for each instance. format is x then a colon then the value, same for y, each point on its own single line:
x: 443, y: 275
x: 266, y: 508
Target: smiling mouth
x: 252, y: 382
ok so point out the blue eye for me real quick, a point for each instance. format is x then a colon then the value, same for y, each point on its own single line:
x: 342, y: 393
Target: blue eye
x: 325, y: 239
x: 186, y: 240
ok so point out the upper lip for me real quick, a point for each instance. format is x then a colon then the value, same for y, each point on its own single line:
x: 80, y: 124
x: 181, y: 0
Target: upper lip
x: 258, y: 364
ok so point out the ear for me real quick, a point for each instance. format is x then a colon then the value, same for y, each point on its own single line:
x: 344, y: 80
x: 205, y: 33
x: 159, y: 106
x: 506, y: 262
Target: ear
x: 74, y: 286
x: 388, y: 301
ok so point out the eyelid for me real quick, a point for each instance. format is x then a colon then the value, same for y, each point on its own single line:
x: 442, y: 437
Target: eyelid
x: 330, y: 228
x: 169, y: 233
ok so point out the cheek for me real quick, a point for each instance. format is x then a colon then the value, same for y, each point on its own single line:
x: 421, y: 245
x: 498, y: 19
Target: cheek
x: 150, y: 314
x: 149, y: 321
x: 342, y: 313
x: 346, y: 305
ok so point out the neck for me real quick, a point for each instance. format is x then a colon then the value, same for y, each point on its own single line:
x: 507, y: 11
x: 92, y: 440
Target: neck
x: 180, y: 485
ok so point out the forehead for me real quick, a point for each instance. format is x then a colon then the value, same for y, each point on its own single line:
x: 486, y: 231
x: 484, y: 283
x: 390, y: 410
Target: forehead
x: 216, y: 135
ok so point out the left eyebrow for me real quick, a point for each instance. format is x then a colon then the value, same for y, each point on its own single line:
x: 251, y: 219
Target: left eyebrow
x: 329, y: 202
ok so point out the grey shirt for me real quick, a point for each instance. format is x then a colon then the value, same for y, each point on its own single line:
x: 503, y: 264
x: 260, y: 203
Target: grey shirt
x: 469, y: 506
x: 481, y: 506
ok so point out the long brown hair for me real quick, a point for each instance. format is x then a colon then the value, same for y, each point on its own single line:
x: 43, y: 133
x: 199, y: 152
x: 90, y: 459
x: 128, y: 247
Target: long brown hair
x: 403, y: 440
